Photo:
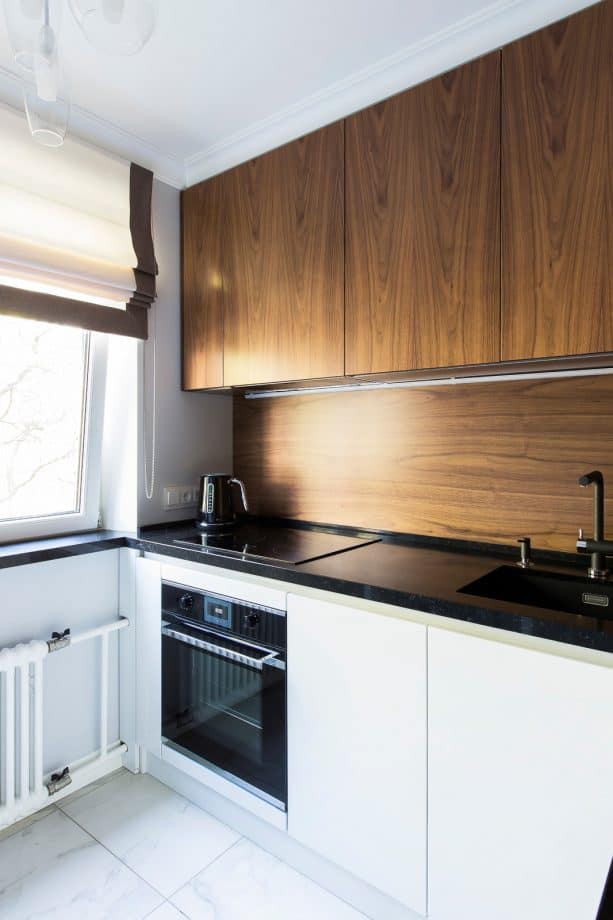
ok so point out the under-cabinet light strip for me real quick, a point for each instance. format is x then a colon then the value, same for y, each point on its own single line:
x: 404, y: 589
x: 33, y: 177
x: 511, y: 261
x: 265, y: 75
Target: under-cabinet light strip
x: 434, y: 382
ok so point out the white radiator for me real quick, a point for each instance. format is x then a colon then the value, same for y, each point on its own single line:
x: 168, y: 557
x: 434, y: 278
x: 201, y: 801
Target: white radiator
x: 23, y: 787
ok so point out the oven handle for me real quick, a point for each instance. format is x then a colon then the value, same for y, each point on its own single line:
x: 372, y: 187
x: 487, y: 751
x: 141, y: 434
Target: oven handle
x: 221, y: 652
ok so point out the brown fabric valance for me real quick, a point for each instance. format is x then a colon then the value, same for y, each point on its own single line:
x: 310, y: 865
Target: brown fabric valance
x: 50, y: 309
x: 141, y: 190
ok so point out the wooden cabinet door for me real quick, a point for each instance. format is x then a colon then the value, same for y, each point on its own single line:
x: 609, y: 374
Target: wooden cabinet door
x: 203, y: 209
x: 520, y: 798
x: 423, y: 225
x: 356, y: 698
x: 557, y: 190
x: 283, y: 264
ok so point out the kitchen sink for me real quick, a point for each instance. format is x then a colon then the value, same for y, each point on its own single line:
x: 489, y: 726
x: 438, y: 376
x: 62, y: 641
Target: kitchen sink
x: 551, y: 590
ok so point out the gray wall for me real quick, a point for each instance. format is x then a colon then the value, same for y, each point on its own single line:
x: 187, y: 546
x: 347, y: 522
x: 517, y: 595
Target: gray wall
x: 193, y: 430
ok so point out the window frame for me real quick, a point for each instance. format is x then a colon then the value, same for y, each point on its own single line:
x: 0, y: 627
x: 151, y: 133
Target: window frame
x: 87, y: 517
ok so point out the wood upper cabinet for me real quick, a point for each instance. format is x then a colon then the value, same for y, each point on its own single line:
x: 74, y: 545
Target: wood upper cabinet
x: 263, y: 268
x: 423, y: 225
x: 283, y: 274
x: 464, y: 221
x: 557, y: 189
x: 202, y: 222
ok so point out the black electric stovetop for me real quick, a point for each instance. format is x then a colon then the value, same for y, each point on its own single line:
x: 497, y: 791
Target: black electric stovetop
x: 262, y: 543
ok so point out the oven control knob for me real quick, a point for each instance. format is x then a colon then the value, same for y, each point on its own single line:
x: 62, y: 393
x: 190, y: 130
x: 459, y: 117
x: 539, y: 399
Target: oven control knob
x: 251, y: 620
x: 186, y: 602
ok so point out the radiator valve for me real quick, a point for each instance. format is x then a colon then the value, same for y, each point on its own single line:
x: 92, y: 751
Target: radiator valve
x: 59, y: 781
x: 58, y: 640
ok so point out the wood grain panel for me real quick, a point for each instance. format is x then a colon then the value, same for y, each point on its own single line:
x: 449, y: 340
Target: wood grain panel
x: 557, y: 188
x: 284, y: 265
x: 202, y: 219
x: 487, y: 461
x: 423, y: 225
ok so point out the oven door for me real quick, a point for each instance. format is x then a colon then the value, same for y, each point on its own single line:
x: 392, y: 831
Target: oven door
x: 223, y: 702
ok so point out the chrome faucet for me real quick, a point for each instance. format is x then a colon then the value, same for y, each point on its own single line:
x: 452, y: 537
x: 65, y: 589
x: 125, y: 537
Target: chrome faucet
x: 597, y: 545
x: 525, y: 560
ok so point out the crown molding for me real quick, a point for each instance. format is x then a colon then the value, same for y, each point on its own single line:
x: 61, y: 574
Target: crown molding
x: 491, y: 27
x: 497, y: 24
x: 101, y: 133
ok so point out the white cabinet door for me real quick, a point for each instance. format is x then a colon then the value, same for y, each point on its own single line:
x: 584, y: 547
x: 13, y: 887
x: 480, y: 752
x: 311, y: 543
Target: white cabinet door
x: 148, y: 655
x: 520, y: 782
x: 357, y: 743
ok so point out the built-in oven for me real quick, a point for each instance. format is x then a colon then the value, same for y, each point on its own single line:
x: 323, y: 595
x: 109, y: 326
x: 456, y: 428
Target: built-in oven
x: 224, y: 687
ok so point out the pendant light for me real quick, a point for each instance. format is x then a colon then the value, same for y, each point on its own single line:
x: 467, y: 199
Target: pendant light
x: 34, y: 28
x: 47, y: 117
x: 118, y: 27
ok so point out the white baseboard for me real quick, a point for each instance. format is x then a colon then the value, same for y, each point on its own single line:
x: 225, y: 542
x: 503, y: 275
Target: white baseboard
x: 225, y: 788
x: 363, y: 897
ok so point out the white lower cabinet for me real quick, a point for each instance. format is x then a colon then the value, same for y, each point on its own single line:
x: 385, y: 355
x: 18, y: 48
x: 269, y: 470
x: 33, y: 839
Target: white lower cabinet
x: 148, y: 655
x: 520, y: 782
x: 357, y: 704
x: 457, y: 774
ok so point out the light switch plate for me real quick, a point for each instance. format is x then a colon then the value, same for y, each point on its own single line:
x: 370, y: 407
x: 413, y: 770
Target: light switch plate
x: 176, y: 497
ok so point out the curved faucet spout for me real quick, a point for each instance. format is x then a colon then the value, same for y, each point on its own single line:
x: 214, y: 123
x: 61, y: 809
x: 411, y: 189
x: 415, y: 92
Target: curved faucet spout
x: 598, y: 568
x: 595, y: 477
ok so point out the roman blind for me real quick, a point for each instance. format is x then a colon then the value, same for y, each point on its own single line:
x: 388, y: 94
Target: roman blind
x: 76, y: 244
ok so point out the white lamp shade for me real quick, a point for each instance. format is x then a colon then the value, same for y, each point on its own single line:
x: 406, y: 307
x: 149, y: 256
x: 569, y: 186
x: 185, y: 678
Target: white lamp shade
x: 118, y: 27
x: 47, y: 118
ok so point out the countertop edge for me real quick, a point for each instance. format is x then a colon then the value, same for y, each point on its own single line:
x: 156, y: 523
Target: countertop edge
x: 527, y: 625
x: 479, y: 615
x: 30, y: 552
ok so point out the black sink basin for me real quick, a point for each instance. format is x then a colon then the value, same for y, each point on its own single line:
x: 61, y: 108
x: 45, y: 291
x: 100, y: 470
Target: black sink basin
x: 537, y: 588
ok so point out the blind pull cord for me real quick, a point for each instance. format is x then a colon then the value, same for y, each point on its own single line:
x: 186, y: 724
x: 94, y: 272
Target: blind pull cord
x: 150, y: 479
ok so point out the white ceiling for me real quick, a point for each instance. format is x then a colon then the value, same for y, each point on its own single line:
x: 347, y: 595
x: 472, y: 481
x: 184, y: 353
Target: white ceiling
x: 223, y: 80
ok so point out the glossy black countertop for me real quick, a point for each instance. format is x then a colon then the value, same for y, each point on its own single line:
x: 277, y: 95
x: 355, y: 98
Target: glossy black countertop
x: 417, y: 573
x: 411, y: 572
x: 27, y: 552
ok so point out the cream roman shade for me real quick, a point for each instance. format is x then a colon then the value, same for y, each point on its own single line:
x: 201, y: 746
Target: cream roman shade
x: 75, y: 233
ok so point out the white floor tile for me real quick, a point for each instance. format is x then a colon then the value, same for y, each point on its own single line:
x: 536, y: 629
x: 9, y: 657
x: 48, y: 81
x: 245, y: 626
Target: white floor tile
x: 156, y: 832
x: 53, y: 869
x: 166, y: 912
x: 26, y: 822
x: 249, y: 882
x: 108, y: 778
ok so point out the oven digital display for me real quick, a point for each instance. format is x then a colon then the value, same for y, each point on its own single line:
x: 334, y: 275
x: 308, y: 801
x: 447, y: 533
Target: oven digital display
x: 218, y: 612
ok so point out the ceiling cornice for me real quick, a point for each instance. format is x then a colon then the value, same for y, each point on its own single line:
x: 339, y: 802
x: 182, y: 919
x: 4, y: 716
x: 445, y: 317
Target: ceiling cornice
x: 497, y: 24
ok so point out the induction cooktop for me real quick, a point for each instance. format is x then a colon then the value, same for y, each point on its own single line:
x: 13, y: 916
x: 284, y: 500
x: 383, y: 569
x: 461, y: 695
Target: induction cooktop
x: 259, y: 543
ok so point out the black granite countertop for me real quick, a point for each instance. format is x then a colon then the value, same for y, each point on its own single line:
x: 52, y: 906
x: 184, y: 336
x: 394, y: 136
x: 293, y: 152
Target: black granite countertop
x: 416, y: 573
x: 75, y: 544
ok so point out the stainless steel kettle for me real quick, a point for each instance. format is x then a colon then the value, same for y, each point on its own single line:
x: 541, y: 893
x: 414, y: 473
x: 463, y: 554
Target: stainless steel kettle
x: 216, y: 501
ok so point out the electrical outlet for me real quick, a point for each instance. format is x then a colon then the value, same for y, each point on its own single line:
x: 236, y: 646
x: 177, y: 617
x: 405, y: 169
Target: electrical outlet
x: 176, y: 497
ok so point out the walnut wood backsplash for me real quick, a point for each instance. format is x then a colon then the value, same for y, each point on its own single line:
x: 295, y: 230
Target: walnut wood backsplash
x: 487, y: 461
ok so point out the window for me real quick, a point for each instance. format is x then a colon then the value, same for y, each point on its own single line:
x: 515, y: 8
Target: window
x: 51, y: 404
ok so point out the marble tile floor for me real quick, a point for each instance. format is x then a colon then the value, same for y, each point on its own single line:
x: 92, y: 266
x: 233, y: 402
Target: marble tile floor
x: 129, y: 848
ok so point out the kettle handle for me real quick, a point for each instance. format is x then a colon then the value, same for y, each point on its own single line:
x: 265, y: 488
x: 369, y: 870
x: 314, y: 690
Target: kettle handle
x: 241, y: 486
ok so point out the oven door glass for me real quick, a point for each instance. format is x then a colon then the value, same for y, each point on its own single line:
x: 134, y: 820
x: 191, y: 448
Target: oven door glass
x: 224, y: 702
